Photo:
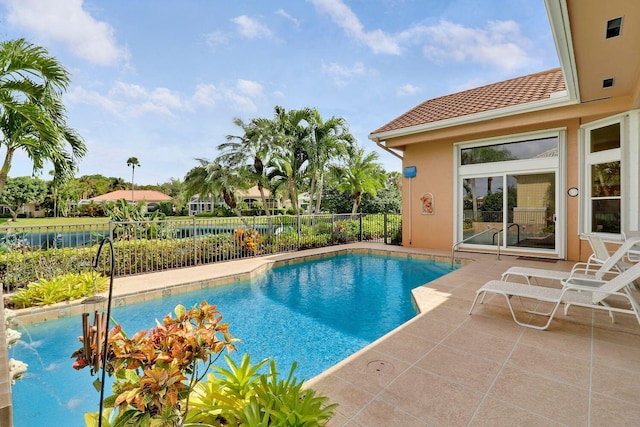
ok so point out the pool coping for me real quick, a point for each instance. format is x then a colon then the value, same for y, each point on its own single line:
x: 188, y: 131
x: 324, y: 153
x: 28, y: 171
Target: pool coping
x: 147, y: 288
x: 139, y: 288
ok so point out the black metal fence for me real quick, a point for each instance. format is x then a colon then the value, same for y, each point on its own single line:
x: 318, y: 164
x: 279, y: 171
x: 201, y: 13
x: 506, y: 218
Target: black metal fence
x: 31, y: 253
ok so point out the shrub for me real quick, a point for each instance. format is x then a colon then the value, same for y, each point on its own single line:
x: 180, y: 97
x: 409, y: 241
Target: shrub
x: 65, y: 287
x: 155, y: 370
x: 241, y: 395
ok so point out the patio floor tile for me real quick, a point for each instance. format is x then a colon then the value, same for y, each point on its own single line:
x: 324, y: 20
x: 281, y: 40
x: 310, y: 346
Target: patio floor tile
x: 432, y: 398
x: 551, y: 399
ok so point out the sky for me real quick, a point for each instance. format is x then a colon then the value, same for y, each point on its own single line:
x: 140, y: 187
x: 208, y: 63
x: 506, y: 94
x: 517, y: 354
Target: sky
x: 163, y: 80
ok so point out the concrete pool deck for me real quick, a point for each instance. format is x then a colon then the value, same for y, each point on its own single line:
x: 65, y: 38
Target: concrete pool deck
x: 445, y: 367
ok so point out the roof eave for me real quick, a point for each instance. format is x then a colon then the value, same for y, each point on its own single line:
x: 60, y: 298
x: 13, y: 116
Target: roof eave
x: 558, y: 15
x: 556, y: 100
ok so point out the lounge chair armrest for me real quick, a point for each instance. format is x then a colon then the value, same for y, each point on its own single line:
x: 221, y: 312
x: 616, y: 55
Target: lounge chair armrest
x: 584, y: 268
x: 582, y: 283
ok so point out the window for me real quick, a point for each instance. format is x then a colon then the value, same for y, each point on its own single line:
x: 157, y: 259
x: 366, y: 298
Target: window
x: 521, y: 150
x: 603, y: 176
x: 507, y: 191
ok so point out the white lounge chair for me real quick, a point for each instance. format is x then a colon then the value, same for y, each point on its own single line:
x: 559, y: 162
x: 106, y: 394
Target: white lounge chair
x: 613, y: 263
x: 590, y: 293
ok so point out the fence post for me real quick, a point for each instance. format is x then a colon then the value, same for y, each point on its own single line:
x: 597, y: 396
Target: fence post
x: 299, y: 230
x: 333, y: 228
x: 360, y: 238
x: 384, y: 218
x: 195, y: 242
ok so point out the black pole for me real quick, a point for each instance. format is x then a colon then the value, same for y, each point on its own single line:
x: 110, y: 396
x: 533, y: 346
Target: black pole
x: 106, y: 331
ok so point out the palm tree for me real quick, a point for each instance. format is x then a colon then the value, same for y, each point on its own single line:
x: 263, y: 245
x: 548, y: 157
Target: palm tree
x: 253, y: 150
x: 327, y: 141
x: 360, y: 175
x: 133, y: 162
x: 290, y: 130
x: 215, y: 178
x: 116, y: 183
x: 32, y: 116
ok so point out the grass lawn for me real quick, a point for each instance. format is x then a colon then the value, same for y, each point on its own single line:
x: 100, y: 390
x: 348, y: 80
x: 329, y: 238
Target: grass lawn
x: 44, y: 222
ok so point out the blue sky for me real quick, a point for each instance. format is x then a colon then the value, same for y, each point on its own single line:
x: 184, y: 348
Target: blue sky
x: 162, y: 80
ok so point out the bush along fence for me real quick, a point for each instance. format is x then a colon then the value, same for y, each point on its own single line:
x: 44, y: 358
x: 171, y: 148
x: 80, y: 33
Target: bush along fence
x: 28, y: 254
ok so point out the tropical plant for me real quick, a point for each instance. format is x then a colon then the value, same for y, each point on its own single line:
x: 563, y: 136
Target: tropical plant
x: 216, y: 178
x: 66, y: 287
x: 327, y: 140
x: 360, y: 175
x: 248, y: 239
x: 155, y: 371
x: 133, y: 220
x: 32, y: 116
x: 241, y: 395
x: 251, y: 150
x: 133, y: 162
x: 116, y: 183
x: 290, y: 130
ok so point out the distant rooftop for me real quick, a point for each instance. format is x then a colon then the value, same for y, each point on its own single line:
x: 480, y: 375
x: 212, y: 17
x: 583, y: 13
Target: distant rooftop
x: 138, y: 196
x: 521, y: 90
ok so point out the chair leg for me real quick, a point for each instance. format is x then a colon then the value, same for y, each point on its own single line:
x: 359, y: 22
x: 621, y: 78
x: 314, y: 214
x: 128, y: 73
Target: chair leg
x: 476, y: 299
x: 526, y: 325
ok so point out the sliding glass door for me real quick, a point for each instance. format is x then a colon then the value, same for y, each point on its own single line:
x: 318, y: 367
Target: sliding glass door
x: 532, y: 213
x: 508, y: 194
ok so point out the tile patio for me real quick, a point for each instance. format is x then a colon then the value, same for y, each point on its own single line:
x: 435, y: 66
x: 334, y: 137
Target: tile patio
x: 448, y: 368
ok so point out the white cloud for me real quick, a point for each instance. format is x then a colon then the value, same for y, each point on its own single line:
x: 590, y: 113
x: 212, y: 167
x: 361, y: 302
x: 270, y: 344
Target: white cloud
x: 206, y: 94
x: 408, y: 90
x: 126, y: 90
x: 250, y: 28
x: 499, y: 44
x: 80, y: 95
x: 126, y: 100
x: 285, y: 15
x: 216, y: 38
x: 342, y: 75
x: 249, y: 87
x: 69, y: 23
x: 244, y: 96
x: 378, y: 41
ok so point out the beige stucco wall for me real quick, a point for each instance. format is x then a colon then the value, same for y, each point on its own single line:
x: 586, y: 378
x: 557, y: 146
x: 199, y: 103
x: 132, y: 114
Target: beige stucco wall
x: 434, y: 164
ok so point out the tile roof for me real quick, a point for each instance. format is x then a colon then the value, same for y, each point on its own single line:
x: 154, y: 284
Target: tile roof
x: 138, y: 195
x: 521, y: 90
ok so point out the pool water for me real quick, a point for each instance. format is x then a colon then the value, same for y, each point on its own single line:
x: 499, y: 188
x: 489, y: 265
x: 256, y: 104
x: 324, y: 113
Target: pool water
x: 316, y: 313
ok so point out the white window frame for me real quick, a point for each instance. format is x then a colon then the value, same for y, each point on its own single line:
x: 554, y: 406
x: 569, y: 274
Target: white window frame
x: 629, y: 156
x: 512, y: 167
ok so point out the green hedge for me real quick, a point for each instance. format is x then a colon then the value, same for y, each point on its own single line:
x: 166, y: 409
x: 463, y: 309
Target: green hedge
x: 138, y: 256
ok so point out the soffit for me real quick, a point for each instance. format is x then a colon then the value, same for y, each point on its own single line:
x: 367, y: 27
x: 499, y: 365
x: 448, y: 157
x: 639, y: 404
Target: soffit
x: 598, y: 58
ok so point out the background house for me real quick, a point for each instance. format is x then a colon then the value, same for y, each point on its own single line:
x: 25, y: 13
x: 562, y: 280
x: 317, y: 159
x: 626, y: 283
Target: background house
x: 151, y: 198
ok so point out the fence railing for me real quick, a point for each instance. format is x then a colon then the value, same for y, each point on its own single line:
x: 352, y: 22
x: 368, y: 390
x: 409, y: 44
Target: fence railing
x: 31, y: 253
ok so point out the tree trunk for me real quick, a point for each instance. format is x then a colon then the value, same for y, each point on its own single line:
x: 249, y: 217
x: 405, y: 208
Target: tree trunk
x: 267, y: 210
x: 6, y: 166
x: 319, y: 196
x: 356, y: 202
x: 230, y: 201
x: 312, y: 190
x: 293, y: 196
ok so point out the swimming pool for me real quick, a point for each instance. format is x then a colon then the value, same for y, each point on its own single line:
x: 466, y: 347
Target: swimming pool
x: 317, y: 313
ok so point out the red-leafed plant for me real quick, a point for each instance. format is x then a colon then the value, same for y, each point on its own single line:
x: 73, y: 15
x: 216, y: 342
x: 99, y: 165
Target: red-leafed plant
x: 156, y: 370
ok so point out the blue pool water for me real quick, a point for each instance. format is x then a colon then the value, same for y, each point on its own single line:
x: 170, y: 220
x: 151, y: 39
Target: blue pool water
x: 316, y: 313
